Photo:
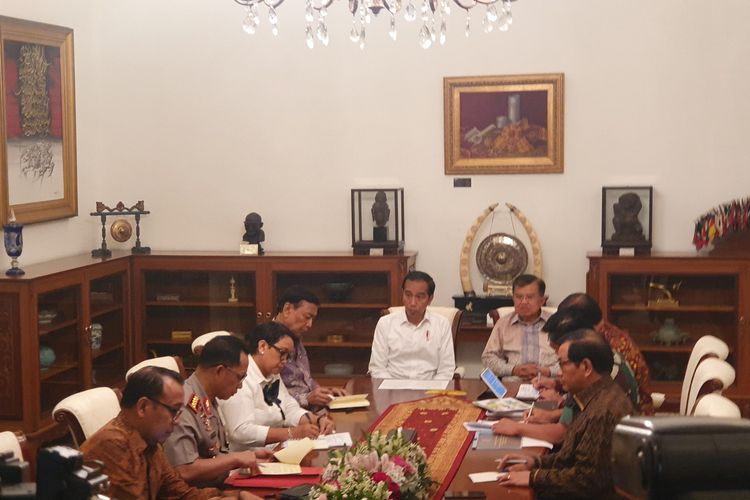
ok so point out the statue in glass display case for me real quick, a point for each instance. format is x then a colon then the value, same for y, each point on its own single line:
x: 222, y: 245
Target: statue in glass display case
x: 381, y: 212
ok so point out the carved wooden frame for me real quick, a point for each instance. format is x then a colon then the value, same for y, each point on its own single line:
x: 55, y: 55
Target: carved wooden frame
x: 59, y: 204
x: 491, y: 95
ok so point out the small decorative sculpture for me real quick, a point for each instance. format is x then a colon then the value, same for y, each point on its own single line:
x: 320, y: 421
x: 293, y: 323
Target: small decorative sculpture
x: 253, y: 232
x: 670, y: 334
x: 13, y: 239
x: 381, y: 212
x: 96, y: 336
x: 628, y: 228
x: 232, y: 290
x: 663, y: 295
x: 47, y: 357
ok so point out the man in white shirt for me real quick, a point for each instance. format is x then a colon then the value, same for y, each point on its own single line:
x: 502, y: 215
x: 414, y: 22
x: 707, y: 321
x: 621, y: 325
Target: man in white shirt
x: 413, y: 344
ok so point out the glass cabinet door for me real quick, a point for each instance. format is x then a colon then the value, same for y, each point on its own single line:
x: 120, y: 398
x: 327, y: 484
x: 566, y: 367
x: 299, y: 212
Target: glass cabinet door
x: 59, y: 327
x: 182, y: 305
x: 106, y: 331
x: 666, y: 313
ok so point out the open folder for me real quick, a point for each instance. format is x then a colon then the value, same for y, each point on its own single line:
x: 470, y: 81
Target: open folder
x: 307, y: 475
x: 352, y: 401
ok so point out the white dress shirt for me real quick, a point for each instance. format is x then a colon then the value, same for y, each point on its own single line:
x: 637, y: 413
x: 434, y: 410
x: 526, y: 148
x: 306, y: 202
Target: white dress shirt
x: 246, y: 415
x: 404, y: 351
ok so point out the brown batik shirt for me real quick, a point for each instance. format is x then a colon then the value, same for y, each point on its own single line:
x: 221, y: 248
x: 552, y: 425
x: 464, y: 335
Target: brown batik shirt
x: 581, y: 469
x: 621, y: 342
x: 135, y: 469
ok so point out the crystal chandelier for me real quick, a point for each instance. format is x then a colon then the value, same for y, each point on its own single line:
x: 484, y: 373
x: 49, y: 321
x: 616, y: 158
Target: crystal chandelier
x: 432, y: 15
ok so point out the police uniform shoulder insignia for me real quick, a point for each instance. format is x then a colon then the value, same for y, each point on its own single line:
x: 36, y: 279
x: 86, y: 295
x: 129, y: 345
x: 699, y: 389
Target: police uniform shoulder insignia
x: 194, y: 403
x: 207, y: 406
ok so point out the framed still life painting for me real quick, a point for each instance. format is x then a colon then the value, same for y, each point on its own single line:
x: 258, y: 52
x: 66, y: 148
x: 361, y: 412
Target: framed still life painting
x: 504, y: 124
x: 37, y: 122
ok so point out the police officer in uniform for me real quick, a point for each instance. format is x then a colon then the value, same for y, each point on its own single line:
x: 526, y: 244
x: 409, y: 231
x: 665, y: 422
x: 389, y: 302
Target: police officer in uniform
x: 198, y: 447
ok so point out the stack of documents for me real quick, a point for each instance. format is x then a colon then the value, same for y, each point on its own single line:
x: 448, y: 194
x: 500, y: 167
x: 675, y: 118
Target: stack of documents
x: 325, y: 442
x: 479, y: 426
x: 503, y: 405
x: 487, y: 441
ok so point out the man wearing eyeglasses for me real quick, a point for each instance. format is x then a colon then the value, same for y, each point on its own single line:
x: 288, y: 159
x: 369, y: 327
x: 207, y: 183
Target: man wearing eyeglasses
x: 296, y: 309
x: 582, y: 467
x: 129, y: 445
x: 198, y: 448
x: 517, y: 345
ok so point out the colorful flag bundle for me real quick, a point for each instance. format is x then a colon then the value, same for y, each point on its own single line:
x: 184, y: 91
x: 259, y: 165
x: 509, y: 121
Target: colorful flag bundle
x: 720, y: 221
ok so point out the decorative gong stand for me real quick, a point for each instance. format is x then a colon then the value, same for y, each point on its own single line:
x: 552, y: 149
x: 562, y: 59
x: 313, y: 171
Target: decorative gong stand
x: 103, y: 211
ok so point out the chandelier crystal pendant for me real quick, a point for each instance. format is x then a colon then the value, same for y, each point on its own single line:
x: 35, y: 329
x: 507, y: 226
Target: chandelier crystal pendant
x: 432, y: 15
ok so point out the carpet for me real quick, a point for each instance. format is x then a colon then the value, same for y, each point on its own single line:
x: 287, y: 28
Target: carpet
x: 439, y: 422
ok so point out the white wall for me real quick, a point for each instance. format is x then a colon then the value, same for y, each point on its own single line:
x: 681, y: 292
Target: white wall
x: 180, y: 108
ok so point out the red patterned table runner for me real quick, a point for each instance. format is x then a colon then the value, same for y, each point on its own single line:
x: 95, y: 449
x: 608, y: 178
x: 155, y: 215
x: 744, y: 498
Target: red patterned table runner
x: 439, y: 422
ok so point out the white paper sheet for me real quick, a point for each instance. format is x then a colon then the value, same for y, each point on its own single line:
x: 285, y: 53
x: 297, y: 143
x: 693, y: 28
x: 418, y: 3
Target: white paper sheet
x: 527, y: 391
x: 527, y: 442
x: 295, y: 451
x: 335, y: 440
x: 416, y: 385
x: 278, y: 469
x: 486, y: 477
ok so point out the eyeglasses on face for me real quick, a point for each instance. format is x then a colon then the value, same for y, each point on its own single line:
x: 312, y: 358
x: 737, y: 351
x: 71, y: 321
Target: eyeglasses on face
x: 175, y: 412
x: 240, y: 376
x: 283, y: 353
x: 525, y: 298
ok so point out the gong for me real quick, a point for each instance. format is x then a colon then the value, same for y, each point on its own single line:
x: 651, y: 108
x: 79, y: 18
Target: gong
x: 501, y: 258
x: 121, y: 230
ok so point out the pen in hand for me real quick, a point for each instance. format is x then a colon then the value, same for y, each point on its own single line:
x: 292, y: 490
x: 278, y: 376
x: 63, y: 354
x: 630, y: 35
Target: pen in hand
x: 526, y: 420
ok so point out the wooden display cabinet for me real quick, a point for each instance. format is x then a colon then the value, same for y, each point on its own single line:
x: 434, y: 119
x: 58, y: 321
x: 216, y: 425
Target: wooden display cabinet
x: 709, y: 296
x: 46, y: 319
x: 144, y: 304
x: 185, y: 292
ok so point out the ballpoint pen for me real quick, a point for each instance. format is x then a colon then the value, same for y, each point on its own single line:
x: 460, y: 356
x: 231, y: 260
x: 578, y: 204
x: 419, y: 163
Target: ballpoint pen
x: 526, y: 420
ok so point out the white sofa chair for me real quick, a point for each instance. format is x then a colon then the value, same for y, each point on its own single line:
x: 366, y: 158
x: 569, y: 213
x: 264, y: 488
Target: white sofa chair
x: 86, y: 412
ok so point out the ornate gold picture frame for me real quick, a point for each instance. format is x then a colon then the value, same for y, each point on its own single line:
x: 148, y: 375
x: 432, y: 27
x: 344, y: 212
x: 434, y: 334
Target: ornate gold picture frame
x: 504, y: 124
x: 37, y: 122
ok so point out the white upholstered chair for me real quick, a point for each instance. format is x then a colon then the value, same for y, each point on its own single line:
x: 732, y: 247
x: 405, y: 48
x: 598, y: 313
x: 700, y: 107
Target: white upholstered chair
x: 173, y: 363
x: 86, y: 412
x: 707, y: 346
x: 712, y: 375
x: 9, y: 442
x: 197, y: 345
x: 716, y: 405
x: 452, y: 314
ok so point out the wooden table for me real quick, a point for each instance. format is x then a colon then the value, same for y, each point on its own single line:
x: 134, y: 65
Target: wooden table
x: 357, y: 422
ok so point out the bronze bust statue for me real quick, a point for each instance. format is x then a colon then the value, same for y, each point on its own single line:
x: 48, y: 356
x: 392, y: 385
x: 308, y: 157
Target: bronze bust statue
x: 628, y: 228
x: 253, y: 232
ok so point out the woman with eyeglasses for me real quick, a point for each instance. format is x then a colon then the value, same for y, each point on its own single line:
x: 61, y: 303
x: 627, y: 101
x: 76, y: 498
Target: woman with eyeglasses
x: 262, y: 411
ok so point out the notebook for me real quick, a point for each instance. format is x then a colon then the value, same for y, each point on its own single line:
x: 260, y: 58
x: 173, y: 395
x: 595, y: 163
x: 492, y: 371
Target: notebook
x: 352, y: 401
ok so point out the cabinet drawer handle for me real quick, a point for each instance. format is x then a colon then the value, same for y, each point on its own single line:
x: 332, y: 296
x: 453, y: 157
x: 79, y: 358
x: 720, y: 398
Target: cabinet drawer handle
x: 259, y: 315
x: 268, y: 315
